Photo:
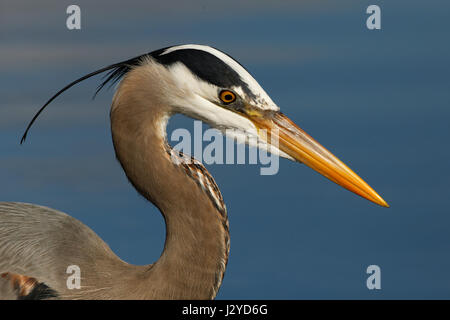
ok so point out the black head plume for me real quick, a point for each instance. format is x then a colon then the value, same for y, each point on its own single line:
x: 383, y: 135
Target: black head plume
x: 116, y: 72
x: 203, y: 64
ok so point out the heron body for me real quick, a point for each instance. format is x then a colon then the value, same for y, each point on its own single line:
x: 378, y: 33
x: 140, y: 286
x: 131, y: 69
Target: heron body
x: 38, y: 244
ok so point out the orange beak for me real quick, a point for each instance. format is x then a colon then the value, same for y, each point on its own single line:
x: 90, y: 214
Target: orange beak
x: 300, y: 146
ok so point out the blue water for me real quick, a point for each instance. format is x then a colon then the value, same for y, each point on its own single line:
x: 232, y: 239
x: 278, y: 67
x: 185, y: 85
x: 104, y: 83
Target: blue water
x: 379, y: 100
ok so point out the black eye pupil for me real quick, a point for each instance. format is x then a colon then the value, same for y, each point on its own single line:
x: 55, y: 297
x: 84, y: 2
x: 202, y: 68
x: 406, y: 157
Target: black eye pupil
x: 228, y: 97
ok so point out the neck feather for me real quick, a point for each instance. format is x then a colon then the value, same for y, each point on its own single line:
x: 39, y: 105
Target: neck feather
x: 197, y: 239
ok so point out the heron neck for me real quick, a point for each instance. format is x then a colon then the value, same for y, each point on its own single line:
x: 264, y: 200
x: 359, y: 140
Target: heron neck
x: 196, y: 248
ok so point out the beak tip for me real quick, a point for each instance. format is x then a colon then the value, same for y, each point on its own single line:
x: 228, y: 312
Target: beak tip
x: 386, y: 205
x: 381, y: 202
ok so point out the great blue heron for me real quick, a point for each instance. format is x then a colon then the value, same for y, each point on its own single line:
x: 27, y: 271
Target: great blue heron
x: 37, y: 244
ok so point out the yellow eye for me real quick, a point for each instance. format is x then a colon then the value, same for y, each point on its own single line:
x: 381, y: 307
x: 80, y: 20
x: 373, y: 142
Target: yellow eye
x: 227, y: 96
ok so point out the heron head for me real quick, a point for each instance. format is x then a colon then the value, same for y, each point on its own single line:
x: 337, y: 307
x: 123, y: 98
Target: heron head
x: 207, y: 84
x: 215, y: 88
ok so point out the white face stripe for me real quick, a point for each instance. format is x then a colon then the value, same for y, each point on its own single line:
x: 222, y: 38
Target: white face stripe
x: 193, y: 102
x: 263, y: 101
x: 192, y: 97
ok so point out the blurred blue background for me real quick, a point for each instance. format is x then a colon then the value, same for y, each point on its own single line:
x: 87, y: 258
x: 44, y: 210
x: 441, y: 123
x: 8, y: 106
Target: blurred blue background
x: 379, y: 100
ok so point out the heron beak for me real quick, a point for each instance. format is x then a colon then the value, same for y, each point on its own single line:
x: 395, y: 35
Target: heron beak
x: 300, y: 146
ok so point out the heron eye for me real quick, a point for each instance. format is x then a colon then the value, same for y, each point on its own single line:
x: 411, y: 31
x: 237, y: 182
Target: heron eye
x: 227, y: 96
